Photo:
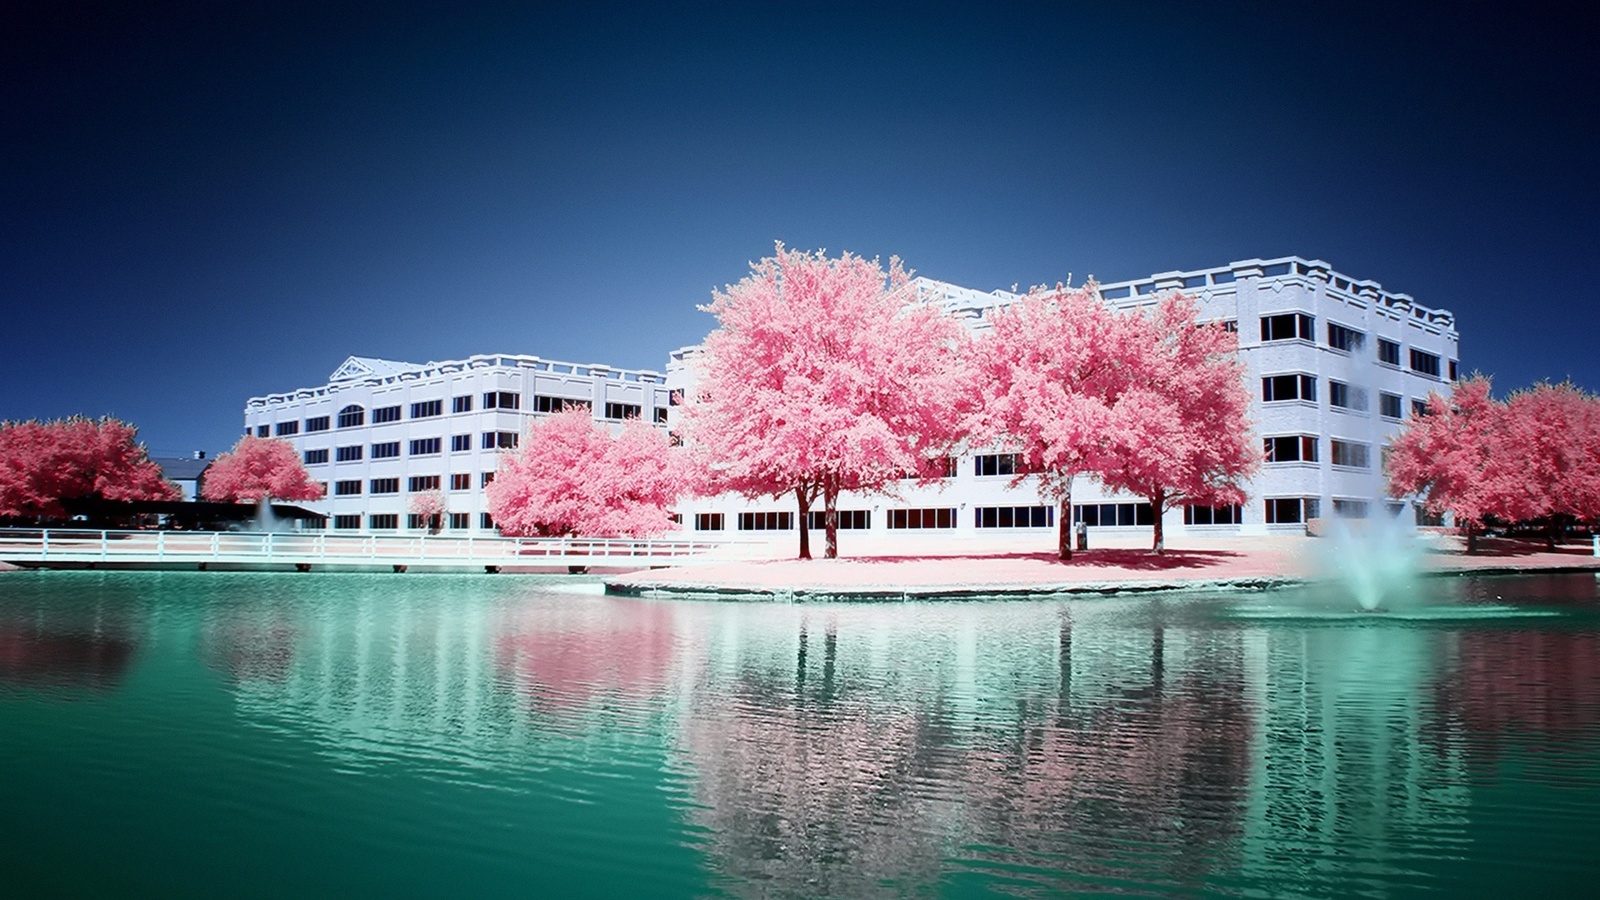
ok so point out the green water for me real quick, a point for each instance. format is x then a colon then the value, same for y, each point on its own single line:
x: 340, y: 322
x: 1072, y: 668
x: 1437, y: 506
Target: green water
x: 214, y: 734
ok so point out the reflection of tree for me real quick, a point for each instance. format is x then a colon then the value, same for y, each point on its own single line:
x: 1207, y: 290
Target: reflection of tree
x: 250, y: 644
x: 64, y: 647
x: 1531, y: 686
x: 567, y: 657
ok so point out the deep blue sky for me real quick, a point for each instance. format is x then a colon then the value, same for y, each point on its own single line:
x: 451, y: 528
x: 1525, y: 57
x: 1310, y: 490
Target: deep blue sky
x: 203, y: 202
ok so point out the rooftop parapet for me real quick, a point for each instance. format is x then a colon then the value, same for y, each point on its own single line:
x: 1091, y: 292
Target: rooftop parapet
x: 361, y: 372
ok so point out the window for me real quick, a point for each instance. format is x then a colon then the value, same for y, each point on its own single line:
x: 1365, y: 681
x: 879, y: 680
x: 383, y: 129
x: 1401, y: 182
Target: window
x: 384, y: 486
x: 417, y: 522
x: 1350, y: 453
x: 661, y: 414
x: 623, y: 410
x: 460, y: 443
x: 427, y: 409
x: 1419, y: 408
x: 461, y: 405
x: 388, y: 450
x: 504, y: 440
x: 1113, y: 515
x: 1389, y: 405
x: 461, y: 481
x: 485, y: 478
x: 766, y: 521
x: 422, y: 483
x: 1014, y: 516
x: 1424, y: 363
x: 1293, y: 448
x: 485, y: 521
x: 675, y: 398
x: 1289, y: 387
x: 503, y: 400
x: 320, y: 423
x: 352, y: 417
x: 316, y: 457
x: 1212, y: 515
x: 708, y: 521
x: 347, y: 454
x: 1350, y: 509
x: 263, y: 430
x: 383, y: 521
x: 347, y: 523
x: 316, y: 523
x: 922, y: 518
x: 1346, y: 397
x: 853, y: 519
x: 425, y: 446
x: 346, y: 488
x: 995, y: 464
x: 1347, y: 339
x: 284, y: 429
x: 1453, y: 365
x: 1287, y: 327
x: 1291, y: 510
x: 1230, y: 325
x: 385, y: 414
x: 460, y: 521
x: 1388, y: 353
x: 544, y: 404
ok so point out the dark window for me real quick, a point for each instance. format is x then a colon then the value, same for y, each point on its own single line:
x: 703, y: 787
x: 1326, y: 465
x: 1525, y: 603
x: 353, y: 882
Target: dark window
x: 1293, y: 448
x: 347, y: 523
x: 461, y: 405
x: 346, y: 488
x: 427, y: 409
x: 485, y: 521
x: 319, y: 423
x: 263, y: 431
x: 316, y: 457
x: 384, y: 486
x: 284, y: 429
x: 1347, y: 339
x: 1419, y: 408
x: 352, y: 417
x: 1349, y: 453
x: 544, y: 404
x: 1389, y: 405
x: 766, y: 521
x: 675, y: 398
x: 708, y: 521
x: 1388, y: 352
x: 1211, y: 515
x: 661, y: 415
x: 1230, y: 325
x: 502, y: 400
x: 347, y: 454
x: 996, y: 464
x: 853, y: 519
x: 460, y: 521
x: 1453, y: 365
x: 425, y: 446
x: 383, y: 521
x: 1346, y: 397
x: 485, y: 478
x: 1424, y: 363
x: 460, y: 443
x: 1289, y: 387
x: 422, y: 483
x: 1350, y: 509
x: 1113, y: 515
x: 461, y: 481
x: 1288, y: 327
x: 1291, y: 510
x: 501, y: 440
x: 386, y: 450
x: 385, y: 414
x: 623, y: 410
x: 1014, y: 516
x: 941, y: 517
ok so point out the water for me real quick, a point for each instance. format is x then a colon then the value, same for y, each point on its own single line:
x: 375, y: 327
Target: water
x: 209, y: 734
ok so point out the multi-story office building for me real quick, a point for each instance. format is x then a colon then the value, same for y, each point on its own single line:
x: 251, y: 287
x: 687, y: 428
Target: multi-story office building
x: 380, y: 431
x: 1333, y: 363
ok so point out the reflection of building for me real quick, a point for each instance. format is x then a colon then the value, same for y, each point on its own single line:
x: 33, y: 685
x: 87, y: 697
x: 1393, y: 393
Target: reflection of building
x: 1333, y: 363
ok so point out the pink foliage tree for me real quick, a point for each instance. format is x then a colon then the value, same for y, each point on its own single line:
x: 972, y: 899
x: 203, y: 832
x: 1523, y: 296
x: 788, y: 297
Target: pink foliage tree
x: 824, y: 376
x: 259, y: 470
x: 1454, y: 457
x: 1051, y: 371
x: 429, y: 506
x: 1547, y: 456
x: 571, y: 478
x: 43, y: 464
x: 1180, y: 434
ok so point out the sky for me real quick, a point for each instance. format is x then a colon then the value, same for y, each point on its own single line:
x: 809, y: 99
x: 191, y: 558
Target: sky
x: 204, y: 202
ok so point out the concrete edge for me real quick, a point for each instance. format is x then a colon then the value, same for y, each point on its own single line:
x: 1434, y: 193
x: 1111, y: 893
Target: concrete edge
x: 703, y: 591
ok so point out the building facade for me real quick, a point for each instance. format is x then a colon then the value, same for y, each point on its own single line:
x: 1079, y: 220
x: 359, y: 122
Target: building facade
x: 1334, y: 365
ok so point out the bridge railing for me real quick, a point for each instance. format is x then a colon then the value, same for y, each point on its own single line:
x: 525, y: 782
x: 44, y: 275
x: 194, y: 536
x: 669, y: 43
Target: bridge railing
x: 84, y: 545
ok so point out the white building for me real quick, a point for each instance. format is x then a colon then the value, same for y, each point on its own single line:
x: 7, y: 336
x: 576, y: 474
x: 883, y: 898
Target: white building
x: 1334, y: 364
x: 380, y: 431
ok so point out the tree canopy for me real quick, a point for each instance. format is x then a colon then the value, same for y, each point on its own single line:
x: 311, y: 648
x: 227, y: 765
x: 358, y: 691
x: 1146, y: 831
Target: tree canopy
x: 259, y: 470
x: 44, y: 463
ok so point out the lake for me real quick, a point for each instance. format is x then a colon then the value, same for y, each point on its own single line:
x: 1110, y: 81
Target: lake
x: 231, y: 734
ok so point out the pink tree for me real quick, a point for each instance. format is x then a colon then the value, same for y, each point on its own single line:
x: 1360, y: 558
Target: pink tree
x: 1050, y: 372
x: 1454, y: 457
x: 824, y: 376
x: 571, y: 478
x: 429, y: 506
x: 259, y: 470
x: 1179, y: 433
x: 43, y: 464
x: 1546, y: 463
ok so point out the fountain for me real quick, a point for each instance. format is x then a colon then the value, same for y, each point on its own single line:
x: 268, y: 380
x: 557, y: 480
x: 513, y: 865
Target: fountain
x: 1375, y: 562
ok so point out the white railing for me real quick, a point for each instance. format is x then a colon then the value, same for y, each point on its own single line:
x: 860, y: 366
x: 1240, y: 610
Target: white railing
x: 56, y: 545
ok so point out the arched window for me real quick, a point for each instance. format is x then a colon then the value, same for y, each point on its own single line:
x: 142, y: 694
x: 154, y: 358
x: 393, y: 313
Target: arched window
x: 352, y: 416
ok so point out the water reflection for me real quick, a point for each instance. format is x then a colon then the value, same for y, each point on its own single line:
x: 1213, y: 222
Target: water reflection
x: 87, y: 642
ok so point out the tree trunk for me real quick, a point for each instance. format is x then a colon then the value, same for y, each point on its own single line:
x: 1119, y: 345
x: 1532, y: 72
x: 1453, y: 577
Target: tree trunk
x: 1157, y: 501
x: 1064, y: 529
x: 830, y: 518
x: 801, y: 495
x: 1472, y: 538
x: 1550, y: 533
